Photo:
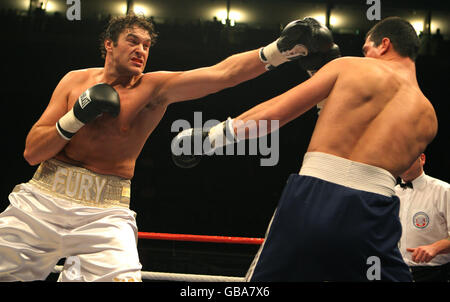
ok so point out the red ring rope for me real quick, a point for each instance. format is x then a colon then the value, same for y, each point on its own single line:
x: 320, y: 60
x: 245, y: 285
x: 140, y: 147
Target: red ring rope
x: 200, y: 238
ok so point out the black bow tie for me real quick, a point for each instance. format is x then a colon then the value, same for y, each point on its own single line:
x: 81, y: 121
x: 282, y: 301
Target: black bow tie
x: 404, y: 185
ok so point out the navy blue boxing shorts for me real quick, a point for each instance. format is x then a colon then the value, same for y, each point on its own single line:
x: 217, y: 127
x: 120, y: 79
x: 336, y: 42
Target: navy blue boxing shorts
x: 336, y: 221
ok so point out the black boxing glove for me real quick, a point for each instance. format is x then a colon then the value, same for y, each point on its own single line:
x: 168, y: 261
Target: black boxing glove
x: 217, y: 137
x: 99, y: 99
x: 298, y: 38
x: 314, y: 61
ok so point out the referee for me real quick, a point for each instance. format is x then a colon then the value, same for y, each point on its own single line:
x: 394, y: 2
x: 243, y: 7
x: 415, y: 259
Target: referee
x: 425, y: 218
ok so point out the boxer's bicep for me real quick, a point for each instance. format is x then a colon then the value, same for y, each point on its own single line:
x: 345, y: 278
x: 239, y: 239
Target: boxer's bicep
x: 57, y: 105
x: 43, y: 140
x: 171, y: 87
x: 200, y: 82
x: 195, y: 84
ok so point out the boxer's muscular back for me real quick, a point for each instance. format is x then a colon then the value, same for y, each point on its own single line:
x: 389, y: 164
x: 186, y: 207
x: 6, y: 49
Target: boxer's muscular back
x: 370, y: 98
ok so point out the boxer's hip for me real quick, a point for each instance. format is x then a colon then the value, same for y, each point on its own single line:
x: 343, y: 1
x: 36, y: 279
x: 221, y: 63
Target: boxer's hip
x: 348, y: 173
x: 81, y: 185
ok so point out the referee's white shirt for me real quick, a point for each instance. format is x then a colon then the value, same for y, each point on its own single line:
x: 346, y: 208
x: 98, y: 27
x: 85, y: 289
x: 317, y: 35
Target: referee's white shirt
x: 425, y: 216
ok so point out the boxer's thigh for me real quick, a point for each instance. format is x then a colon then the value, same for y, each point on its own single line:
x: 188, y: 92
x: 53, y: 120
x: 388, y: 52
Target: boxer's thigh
x: 29, y: 246
x: 104, y: 250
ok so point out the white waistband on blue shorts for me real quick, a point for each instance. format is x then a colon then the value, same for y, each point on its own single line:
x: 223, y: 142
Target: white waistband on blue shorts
x: 348, y: 173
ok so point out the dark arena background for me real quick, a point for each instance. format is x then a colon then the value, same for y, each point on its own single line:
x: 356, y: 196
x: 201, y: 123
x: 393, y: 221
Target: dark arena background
x: 223, y: 195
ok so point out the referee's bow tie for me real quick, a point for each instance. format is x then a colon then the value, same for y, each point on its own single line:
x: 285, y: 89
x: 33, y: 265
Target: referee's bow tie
x: 404, y: 185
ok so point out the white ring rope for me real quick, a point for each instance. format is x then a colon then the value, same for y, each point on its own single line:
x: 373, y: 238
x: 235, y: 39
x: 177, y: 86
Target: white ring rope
x: 188, y: 277
x: 157, y: 276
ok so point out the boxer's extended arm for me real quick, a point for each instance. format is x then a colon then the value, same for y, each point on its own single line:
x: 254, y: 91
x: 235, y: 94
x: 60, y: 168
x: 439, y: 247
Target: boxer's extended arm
x: 292, y: 103
x: 282, y: 108
x: 43, y: 141
x: 311, y: 63
x: 299, y: 38
x: 197, y: 83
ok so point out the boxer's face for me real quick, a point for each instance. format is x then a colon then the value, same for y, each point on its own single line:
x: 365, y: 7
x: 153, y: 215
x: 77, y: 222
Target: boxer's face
x: 130, y: 53
x: 370, y: 50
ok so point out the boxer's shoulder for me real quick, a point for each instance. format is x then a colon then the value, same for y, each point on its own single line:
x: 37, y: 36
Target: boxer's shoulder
x: 159, y: 76
x: 361, y: 65
x: 368, y: 73
x: 353, y: 66
x: 156, y: 79
x: 356, y: 72
x: 83, y: 75
x: 75, y: 82
x: 87, y: 71
x: 157, y: 82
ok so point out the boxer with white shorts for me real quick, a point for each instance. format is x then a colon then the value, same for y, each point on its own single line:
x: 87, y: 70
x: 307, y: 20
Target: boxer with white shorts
x: 63, y: 211
x: 87, y: 142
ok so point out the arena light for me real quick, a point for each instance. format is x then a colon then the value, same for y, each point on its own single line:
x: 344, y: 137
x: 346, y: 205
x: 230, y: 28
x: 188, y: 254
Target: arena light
x: 221, y: 15
x: 234, y: 16
x: 24, y: 4
x: 53, y: 6
x: 49, y: 6
x: 141, y: 10
x: 138, y: 9
x: 418, y: 25
x: 435, y: 25
x: 334, y: 20
x: 120, y: 9
x: 320, y: 18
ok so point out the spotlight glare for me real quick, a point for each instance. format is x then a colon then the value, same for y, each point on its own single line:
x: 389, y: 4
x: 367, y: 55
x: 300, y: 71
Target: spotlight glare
x: 334, y: 20
x: 140, y: 10
x: 418, y: 26
x: 234, y: 16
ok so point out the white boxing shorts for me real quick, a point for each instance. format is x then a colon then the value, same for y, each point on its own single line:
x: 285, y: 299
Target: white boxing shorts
x: 69, y: 212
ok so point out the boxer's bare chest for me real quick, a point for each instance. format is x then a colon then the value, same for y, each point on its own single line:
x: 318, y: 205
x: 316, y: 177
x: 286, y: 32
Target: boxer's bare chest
x: 111, y: 141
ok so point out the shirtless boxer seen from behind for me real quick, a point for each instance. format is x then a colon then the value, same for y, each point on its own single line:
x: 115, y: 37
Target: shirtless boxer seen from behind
x: 87, y: 142
x: 341, y: 209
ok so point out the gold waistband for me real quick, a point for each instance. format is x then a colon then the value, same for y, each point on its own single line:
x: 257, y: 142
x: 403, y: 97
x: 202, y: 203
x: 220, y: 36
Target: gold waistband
x: 81, y: 185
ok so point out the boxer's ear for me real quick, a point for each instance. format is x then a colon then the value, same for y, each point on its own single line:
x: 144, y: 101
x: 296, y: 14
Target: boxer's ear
x: 385, y: 45
x: 422, y: 159
x: 108, y: 44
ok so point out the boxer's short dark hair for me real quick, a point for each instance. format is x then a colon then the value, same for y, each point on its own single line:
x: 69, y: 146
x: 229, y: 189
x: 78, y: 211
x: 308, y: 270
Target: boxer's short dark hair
x: 118, y: 24
x: 400, y: 32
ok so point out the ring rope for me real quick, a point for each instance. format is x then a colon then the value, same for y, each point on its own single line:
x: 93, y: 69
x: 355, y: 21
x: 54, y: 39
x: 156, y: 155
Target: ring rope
x: 159, y: 276
x: 200, y: 238
x: 188, y: 277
